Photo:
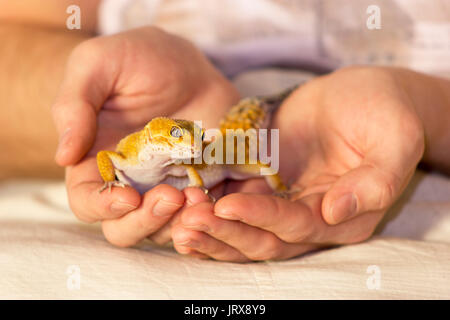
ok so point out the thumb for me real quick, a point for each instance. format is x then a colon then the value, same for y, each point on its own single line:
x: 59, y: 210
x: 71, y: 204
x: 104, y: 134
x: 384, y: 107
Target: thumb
x: 76, y: 125
x: 363, y: 189
x: 86, y: 86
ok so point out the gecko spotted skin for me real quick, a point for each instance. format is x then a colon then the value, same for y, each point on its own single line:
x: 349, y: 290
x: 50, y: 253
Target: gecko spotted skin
x: 158, y: 153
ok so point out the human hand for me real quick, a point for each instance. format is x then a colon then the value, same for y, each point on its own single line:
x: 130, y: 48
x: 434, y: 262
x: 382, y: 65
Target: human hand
x: 349, y: 141
x: 113, y: 86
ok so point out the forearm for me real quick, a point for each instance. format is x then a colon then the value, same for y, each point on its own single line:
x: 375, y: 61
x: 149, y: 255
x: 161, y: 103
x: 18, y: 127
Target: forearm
x: 431, y: 98
x: 32, y: 61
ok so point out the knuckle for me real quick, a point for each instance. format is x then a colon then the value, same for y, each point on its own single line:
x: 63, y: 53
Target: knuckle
x: 161, y: 237
x: 224, y: 232
x: 298, y: 232
x: 295, y: 237
x: 359, y: 237
x: 87, y: 47
x: 159, y: 240
x: 194, y: 236
x: 116, y: 239
x: 92, y: 52
x: 268, y: 250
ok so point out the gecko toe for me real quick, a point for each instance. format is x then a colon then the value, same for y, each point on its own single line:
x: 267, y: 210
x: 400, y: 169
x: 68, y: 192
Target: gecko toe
x: 287, y: 194
x: 210, y: 196
x: 109, y: 184
x: 284, y: 195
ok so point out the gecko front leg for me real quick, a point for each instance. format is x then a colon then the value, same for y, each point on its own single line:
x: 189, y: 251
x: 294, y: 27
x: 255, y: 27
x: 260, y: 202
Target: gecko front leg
x: 107, y: 170
x: 195, y: 180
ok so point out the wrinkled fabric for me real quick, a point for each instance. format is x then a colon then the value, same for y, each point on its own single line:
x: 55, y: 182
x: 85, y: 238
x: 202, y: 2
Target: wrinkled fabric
x: 43, y: 246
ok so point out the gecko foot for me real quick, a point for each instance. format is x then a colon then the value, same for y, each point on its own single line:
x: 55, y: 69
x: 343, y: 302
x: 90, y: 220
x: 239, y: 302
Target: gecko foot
x: 286, y: 194
x: 206, y: 191
x: 282, y: 194
x: 109, y: 184
x: 211, y: 197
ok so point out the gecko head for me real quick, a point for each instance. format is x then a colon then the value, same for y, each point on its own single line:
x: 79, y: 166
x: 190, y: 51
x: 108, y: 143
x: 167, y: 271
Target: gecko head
x: 179, y: 139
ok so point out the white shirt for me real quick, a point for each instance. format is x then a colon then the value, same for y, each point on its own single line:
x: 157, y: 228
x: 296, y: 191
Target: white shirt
x: 312, y: 34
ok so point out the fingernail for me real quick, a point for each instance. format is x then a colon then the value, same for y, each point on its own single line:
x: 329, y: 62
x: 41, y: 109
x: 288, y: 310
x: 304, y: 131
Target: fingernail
x: 189, y: 243
x: 343, y: 208
x: 164, y: 208
x: 121, y: 207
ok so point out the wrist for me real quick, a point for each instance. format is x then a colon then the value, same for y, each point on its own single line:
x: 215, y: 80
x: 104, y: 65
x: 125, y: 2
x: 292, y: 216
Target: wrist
x: 430, y: 96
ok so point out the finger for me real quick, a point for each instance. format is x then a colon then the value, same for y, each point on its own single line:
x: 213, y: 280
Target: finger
x: 364, y: 189
x: 300, y: 221
x: 257, y: 185
x: 88, y: 204
x: 87, y: 84
x: 198, y: 255
x: 77, y: 127
x: 157, y: 208
x: 164, y: 235
x: 291, y: 221
x: 354, y: 230
x: 195, y: 195
x: 389, y: 162
x: 254, y: 243
x: 192, y: 196
x: 187, y: 241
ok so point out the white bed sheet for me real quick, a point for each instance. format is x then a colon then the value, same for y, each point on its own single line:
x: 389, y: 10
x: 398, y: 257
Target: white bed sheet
x: 41, y: 243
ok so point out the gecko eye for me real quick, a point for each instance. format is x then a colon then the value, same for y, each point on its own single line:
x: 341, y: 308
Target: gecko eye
x: 176, y: 132
x: 203, y: 135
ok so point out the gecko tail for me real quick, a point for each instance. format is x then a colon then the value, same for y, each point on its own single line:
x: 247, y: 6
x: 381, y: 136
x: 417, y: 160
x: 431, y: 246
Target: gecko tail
x: 271, y: 102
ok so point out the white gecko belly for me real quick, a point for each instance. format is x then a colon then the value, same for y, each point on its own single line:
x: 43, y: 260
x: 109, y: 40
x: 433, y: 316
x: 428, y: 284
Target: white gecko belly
x: 143, y: 178
x: 140, y: 179
x: 143, y: 175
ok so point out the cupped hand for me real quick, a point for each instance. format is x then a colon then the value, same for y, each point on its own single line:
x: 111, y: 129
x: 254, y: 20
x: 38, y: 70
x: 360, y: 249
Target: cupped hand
x: 112, y: 87
x: 349, y: 143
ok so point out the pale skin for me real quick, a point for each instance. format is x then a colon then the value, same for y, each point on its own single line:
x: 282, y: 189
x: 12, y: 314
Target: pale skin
x: 357, y: 131
x: 34, y: 50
